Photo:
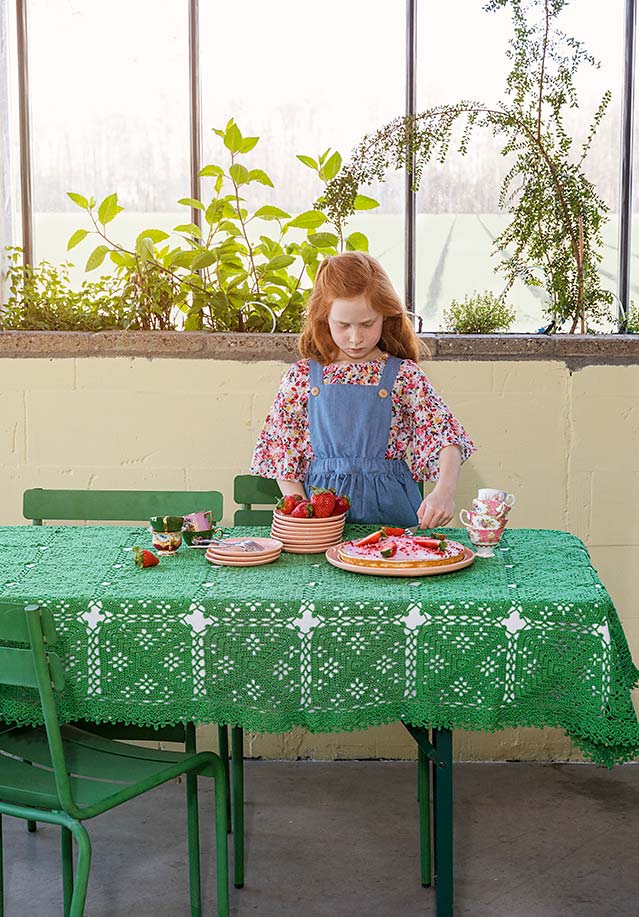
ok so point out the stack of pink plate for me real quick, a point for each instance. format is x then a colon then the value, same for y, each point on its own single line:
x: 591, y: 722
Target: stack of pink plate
x: 307, y: 535
x: 230, y: 552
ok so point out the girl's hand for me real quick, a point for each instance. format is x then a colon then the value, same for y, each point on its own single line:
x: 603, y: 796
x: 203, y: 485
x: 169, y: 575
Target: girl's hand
x: 436, y: 509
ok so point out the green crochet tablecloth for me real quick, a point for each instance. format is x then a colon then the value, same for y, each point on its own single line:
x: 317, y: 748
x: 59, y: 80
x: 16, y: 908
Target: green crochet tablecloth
x: 527, y: 638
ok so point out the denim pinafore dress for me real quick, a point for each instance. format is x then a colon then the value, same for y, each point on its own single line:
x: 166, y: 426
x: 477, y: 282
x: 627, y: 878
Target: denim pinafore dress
x: 349, y: 426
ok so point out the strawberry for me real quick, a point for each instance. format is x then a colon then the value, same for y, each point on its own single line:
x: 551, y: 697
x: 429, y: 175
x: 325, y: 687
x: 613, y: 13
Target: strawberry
x: 288, y: 503
x: 389, y: 530
x: 145, y: 558
x: 434, y: 543
x: 342, y: 505
x: 373, y: 538
x: 322, y: 501
x: 303, y: 510
x: 389, y: 549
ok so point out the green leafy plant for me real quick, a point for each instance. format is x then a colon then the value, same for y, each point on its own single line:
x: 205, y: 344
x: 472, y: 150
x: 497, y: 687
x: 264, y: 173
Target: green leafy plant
x: 41, y: 298
x: 556, y: 213
x: 633, y: 319
x: 240, y: 269
x: 481, y: 313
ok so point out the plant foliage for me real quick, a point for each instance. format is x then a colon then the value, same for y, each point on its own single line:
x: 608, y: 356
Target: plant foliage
x: 236, y: 268
x: 481, y: 313
x: 556, y: 213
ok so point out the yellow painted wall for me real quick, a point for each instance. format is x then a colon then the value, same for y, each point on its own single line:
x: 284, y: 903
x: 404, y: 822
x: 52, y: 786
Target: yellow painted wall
x: 567, y: 444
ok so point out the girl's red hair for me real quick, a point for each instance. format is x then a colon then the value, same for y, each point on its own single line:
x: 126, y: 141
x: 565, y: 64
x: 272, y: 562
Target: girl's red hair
x: 343, y: 277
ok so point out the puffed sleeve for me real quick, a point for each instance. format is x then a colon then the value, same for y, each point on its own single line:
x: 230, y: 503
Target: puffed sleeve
x: 433, y: 424
x: 283, y: 449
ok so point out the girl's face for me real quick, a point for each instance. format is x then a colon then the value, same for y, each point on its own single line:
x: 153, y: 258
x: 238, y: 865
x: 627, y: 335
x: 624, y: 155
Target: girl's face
x: 355, y: 328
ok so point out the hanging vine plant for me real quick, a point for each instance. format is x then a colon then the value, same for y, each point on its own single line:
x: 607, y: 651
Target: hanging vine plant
x: 556, y: 212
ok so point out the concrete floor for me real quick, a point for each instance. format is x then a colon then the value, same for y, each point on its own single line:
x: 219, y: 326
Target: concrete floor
x: 340, y: 839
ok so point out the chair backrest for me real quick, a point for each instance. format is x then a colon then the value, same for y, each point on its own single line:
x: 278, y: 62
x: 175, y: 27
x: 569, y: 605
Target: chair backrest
x: 39, y: 504
x: 16, y: 662
x: 249, y: 489
x: 33, y: 664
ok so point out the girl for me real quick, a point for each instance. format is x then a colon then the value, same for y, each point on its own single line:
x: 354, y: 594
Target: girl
x: 358, y: 407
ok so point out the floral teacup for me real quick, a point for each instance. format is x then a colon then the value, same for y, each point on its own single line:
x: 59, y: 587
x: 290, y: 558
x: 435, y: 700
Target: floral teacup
x: 166, y: 542
x: 484, y: 540
x: 167, y: 523
x: 491, y: 507
x: 490, y: 493
x: 481, y: 521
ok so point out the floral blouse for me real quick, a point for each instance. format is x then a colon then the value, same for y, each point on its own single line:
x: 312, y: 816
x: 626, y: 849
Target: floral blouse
x: 421, y: 424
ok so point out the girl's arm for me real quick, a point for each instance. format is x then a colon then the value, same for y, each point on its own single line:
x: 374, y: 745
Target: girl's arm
x: 438, y: 507
x: 292, y: 487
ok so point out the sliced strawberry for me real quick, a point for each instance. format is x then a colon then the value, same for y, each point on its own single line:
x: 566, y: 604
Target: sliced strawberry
x: 389, y: 549
x: 389, y: 530
x: 303, y: 510
x: 144, y: 558
x: 373, y: 538
x: 427, y: 542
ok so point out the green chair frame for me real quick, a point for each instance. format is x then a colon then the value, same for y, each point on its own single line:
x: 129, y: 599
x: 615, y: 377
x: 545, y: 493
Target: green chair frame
x: 39, y: 504
x: 249, y: 489
x: 64, y: 776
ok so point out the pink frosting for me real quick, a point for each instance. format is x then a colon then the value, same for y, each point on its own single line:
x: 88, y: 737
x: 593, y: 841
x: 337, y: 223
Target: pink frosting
x: 406, y: 550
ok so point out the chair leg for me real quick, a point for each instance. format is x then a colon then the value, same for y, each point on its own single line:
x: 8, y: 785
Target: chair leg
x: 82, y: 872
x: 237, y: 761
x: 221, y: 845
x: 423, y: 795
x: 67, y: 869
x: 223, y: 749
x: 443, y: 795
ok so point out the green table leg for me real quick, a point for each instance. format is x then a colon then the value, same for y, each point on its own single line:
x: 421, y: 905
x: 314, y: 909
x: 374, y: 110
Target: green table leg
x: 223, y: 748
x: 237, y: 764
x: 423, y: 795
x: 193, y: 826
x: 443, y: 806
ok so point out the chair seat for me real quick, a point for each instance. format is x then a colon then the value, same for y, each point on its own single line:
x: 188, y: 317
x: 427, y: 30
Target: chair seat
x: 99, y: 768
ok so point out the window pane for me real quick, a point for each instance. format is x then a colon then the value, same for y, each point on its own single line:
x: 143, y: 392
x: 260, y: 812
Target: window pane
x: 110, y: 112
x: 459, y: 217
x: 303, y: 83
x: 10, y: 224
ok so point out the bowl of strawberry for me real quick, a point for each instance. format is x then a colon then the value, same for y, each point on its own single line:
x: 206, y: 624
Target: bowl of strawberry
x: 312, y: 525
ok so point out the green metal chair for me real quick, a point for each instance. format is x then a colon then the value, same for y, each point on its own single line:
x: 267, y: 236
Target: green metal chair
x: 39, y: 504
x: 247, y: 490
x: 64, y: 776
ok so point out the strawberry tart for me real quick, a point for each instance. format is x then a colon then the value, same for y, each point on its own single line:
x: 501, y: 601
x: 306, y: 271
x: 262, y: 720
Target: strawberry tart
x: 392, y: 552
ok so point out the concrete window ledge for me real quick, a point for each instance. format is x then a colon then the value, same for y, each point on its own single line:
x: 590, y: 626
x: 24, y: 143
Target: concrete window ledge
x: 575, y: 350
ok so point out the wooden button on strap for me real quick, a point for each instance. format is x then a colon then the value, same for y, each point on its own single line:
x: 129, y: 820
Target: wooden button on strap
x: 383, y: 393
x: 315, y: 390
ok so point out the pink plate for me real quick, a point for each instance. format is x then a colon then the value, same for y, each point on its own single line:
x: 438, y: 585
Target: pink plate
x: 294, y: 549
x: 249, y: 555
x: 245, y: 562
x: 332, y: 558
x: 308, y: 520
x: 308, y: 537
x: 268, y: 544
